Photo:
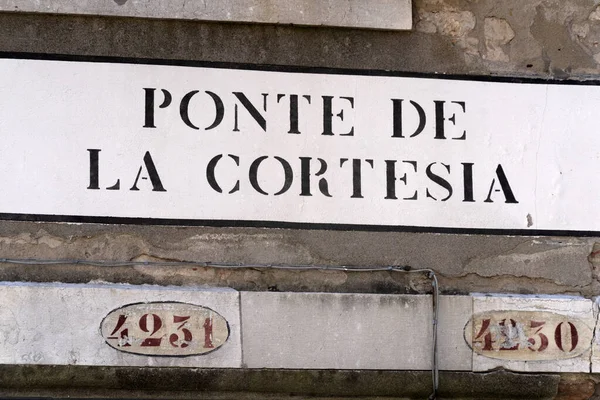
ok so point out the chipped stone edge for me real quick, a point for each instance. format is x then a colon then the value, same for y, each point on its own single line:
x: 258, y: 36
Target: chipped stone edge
x: 595, y: 310
x: 594, y: 366
x: 594, y: 348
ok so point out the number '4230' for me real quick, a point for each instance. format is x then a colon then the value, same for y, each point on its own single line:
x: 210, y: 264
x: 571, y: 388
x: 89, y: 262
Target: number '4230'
x: 510, y: 334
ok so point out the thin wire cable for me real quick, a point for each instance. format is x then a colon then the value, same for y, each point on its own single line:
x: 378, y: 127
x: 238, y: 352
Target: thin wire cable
x: 436, y: 303
x: 290, y: 267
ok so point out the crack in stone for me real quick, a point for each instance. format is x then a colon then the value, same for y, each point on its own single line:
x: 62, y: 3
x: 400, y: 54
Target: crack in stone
x: 537, y: 153
x: 596, y: 315
x: 564, y: 288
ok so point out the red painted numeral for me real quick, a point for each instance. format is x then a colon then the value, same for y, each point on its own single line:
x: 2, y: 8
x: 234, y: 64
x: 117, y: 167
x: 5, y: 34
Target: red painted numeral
x: 156, y: 325
x: 187, y: 335
x: 558, y: 336
x: 124, y: 333
x: 543, y: 338
x: 151, y: 342
x: 509, y: 332
x: 208, y: 330
x: 487, y: 339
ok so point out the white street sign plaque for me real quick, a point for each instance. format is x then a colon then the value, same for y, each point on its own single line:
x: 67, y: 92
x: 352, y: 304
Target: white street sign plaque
x: 139, y: 141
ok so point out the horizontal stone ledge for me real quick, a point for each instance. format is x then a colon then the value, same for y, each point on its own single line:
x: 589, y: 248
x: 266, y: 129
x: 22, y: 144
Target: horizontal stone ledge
x: 251, y: 384
x: 111, y: 325
x: 370, y: 14
x: 125, y: 325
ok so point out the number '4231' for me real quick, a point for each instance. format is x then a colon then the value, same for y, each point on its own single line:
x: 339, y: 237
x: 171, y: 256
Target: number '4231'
x: 151, y: 331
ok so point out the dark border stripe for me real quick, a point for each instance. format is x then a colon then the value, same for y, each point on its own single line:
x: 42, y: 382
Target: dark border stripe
x: 225, y: 223
x: 296, y: 69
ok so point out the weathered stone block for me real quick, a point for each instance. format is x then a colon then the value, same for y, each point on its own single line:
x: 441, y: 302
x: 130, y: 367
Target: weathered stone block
x: 531, y: 333
x: 576, y: 388
x: 59, y: 324
x: 352, y: 331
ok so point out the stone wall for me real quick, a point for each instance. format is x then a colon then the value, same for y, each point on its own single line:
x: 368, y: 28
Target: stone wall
x: 551, y: 39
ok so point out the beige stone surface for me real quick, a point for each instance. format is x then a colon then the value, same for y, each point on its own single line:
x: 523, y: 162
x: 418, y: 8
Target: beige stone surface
x: 352, y: 331
x: 497, y: 33
x: 465, y: 263
x: 59, y: 324
x: 372, y: 14
x: 453, y: 354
